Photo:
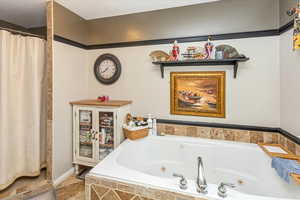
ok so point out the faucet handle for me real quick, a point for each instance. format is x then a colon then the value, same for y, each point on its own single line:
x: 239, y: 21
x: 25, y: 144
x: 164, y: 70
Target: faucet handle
x: 231, y: 185
x: 183, y: 181
x: 222, y: 191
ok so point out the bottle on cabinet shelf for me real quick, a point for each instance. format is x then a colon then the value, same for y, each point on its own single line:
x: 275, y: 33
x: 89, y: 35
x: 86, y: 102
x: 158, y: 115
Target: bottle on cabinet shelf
x: 154, y: 127
x: 150, y: 124
x: 102, y: 136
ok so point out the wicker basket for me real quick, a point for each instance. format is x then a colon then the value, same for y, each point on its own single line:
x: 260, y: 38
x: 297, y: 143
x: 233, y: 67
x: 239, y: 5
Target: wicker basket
x: 134, y: 135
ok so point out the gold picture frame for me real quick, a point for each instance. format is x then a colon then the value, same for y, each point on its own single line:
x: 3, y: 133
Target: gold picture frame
x: 198, y: 93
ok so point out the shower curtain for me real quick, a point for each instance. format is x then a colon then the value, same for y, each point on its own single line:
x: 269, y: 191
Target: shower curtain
x: 22, y: 107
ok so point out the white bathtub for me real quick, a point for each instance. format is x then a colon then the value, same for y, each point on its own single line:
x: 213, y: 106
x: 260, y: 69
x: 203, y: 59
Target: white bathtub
x: 152, y: 161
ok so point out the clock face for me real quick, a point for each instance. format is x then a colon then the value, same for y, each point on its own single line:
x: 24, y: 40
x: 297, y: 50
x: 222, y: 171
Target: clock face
x: 107, y: 69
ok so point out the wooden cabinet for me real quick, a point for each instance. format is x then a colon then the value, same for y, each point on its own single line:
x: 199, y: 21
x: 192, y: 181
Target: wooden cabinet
x: 97, y: 129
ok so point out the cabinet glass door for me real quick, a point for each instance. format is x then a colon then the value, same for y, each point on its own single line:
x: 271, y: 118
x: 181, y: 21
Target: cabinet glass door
x: 86, y: 134
x: 106, y: 133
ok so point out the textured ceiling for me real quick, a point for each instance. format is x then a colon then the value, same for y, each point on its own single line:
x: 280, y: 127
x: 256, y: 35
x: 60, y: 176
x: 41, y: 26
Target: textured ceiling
x: 92, y: 9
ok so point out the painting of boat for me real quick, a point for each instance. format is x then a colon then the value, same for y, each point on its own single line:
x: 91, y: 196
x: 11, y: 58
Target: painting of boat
x: 212, y: 105
x: 194, y: 97
x: 198, y: 93
x: 189, y: 98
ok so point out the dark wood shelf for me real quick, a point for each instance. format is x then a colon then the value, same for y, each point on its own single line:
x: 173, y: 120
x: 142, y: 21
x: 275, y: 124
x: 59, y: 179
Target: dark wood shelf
x: 205, y: 62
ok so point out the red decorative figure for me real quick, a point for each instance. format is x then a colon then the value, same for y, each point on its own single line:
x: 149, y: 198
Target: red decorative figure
x: 175, y: 51
x: 103, y: 98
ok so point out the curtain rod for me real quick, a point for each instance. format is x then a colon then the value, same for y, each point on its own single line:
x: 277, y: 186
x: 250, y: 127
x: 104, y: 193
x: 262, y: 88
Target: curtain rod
x: 22, y: 33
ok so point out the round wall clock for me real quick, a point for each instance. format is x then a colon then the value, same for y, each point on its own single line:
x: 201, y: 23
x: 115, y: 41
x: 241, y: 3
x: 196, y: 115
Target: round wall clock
x: 107, y: 69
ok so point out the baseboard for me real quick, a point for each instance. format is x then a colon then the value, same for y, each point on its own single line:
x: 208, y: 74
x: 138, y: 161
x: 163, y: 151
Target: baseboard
x: 63, y: 177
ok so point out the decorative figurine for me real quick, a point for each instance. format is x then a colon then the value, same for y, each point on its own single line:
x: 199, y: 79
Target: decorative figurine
x: 175, y: 53
x: 191, y: 50
x: 200, y: 55
x: 219, y: 55
x: 296, y: 35
x: 103, y: 98
x: 194, y: 53
x: 209, y: 48
x: 228, y: 51
x: 159, y: 56
x: 294, y: 11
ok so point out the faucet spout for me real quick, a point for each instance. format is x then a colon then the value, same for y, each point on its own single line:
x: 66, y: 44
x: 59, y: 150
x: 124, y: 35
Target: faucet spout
x: 201, y: 181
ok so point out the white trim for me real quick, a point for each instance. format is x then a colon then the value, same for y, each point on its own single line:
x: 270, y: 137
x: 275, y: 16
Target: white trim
x: 63, y: 177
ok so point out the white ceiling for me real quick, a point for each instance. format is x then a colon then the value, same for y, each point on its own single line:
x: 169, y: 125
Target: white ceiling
x: 32, y: 13
x: 93, y: 9
x: 27, y: 13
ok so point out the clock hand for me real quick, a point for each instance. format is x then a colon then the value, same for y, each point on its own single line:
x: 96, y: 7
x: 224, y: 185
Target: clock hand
x: 104, y: 70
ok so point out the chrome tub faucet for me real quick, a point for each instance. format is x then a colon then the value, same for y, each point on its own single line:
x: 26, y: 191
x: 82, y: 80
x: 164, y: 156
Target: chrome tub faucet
x: 201, y: 181
x: 222, y: 191
x: 183, y: 182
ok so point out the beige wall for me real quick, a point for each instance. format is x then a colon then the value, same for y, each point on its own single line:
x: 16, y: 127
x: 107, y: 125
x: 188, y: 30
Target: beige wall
x: 69, y: 25
x: 226, y: 16
x: 284, y: 6
x: 69, y: 83
x: 289, y: 75
x: 251, y: 99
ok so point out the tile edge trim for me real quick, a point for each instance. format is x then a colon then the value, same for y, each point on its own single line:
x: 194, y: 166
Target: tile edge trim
x: 233, y: 126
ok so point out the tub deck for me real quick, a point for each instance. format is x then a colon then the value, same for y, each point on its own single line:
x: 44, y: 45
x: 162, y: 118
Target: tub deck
x: 149, y: 163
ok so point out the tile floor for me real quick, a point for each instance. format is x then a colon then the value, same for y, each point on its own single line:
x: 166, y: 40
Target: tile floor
x: 71, y: 189
x: 24, y: 184
x: 46, y: 196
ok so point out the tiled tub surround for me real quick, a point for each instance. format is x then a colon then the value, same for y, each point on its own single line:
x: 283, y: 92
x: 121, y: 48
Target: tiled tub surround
x: 236, y: 135
x: 105, y: 189
x: 147, y: 166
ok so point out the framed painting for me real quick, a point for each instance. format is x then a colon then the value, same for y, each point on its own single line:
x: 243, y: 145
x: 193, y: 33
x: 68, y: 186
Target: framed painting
x: 198, y: 93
